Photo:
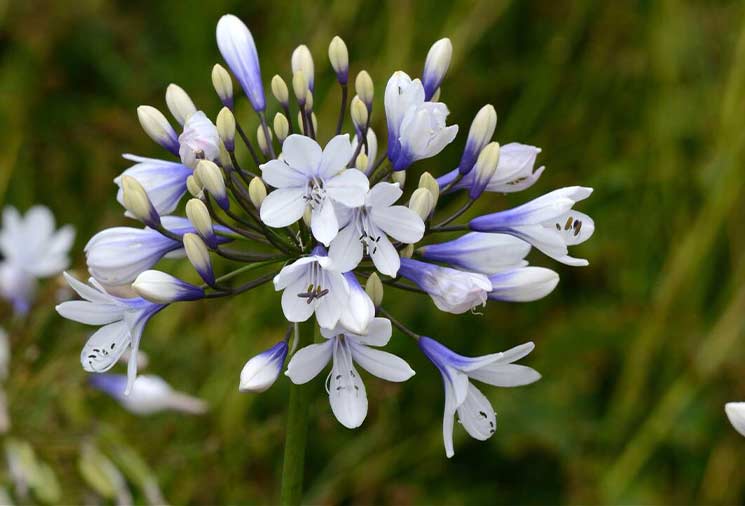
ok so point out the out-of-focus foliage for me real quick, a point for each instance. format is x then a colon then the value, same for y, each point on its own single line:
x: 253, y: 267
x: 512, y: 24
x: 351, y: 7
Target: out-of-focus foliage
x: 639, y: 351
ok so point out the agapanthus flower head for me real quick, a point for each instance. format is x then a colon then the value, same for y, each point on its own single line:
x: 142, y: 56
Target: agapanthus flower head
x: 321, y: 216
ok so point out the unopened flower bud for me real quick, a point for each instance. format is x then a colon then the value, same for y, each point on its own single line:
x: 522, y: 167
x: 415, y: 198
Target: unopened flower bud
x: 257, y: 191
x: 281, y: 127
x: 157, y: 127
x: 422, y: 202
x: 363, y: 85
x: 300, y: 122
x: 407, y: 251
x: 436, y: 95
x: 307, y: 215
x: 200, y: 218
x: 262, y: 371
x: 480, y: 134
x: 199, y: 256
x: 427, y: 181
x: 194, y: 188
x: 210, y: 176
x: 358, y: 111
x: 138, y: 203
x: 374, y: 289
x: 308, y: 102
x: 279, y: 90
x: 224, y: 158
x: 300, y: 86
x: 223, y: 85
x: 226, y: 128
x: 399, y: 177
x: 486, y: 166
x: 179, y: 103
x: 361, y: 163
x: 162, y: 288
x: 302, y: 61
x: 436, y: 65
x: 339, y: 58
x: 263, y: 141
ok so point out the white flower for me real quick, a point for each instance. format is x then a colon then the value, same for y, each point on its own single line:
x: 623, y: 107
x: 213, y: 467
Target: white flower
x: 474, y: 410
x: 359, y: 310
x: 150, y: 394
x: 346, y: 391
x: 369, y: 226
x: 736, y: 414
x: 311, y: 286
x: 122, y: 322
x: 30, y: 248
x: 479, y: 252
x: 416, y: 129
x: 200, y: 140
x: 307, y: 176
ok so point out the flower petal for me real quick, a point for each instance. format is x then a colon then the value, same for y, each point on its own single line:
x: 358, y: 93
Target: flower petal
x: 302, y: 154
x: 399, y: 222
x: 323, y: 222
x: 295, y: 308
x: 379, y: 363
x: 383, y: 194
x: 104, y: 348
x: 279, y: 174
x: 477, y: 415
x: 90, y: 313
x: 283, y: 207
x: 348, y: 188
x: 336, y: 155
x: 346, y: 249
x: 307, y: 362
x: 347, y: 393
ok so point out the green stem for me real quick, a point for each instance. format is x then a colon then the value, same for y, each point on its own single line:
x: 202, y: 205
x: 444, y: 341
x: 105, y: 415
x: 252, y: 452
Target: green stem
x: 297, y: 428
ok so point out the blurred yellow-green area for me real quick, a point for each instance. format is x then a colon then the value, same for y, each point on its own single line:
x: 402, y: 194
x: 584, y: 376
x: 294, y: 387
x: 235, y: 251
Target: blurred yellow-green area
x: 642, y: 100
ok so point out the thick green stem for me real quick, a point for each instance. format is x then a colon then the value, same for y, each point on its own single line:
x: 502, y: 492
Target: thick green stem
x: 297, y: 428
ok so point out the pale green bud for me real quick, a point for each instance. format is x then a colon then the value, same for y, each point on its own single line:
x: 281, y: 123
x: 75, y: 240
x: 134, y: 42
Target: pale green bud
x: 422, y: 202
x: 226, y: 128
x: 210, y: 177
x: 137, y: 202
x: 179, y: 103
x: 223, y: 84
x: 194, y: 188
x: 361, y: 163
x: 430, y: 183
x: 281, y: 127
x: 300, y: 86
x: 200, y: 218
x: 374, y: 289
x: 280, y: 91
x: 339, y: 58
x: 257, y: 191
x: 399, y: 177
x: 263, y: 141
x: 363, y: 84
x: 358, y: 111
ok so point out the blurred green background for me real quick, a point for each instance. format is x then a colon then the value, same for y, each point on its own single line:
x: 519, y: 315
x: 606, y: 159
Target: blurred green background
x: 641, y: 100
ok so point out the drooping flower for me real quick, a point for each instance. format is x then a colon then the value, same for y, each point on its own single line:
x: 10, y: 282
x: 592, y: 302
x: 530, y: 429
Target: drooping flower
x: 736, y: 414
x: 199, y: 140
x: 122, y: 321
x: 368, y: 227
x: 308, y: 176
x: 262, y: 370
x: 474, y: 410
x: 451, y: 290
x: 164, y: 182
x: 549, y: 223
x: 312, y: 285
x: 416, y: 129
x: 31, y: 248
x: 346, y: 391
x: 162, y: 288
x: 479, y: 252
x: 522, y: 284
x: 150, y: 394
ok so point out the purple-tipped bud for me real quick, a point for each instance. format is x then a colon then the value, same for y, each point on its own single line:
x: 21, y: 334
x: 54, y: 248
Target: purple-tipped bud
x: 436, y: 66
x: 162, y: 288
x: 261, y: 371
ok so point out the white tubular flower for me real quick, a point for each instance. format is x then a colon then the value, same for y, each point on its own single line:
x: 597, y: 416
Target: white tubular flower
x: 150, y: 394
x: 451, y: 290
x: 261, y: 371
x: 31, y: 248
x: 311, y: 285
x: 346, y: 391
x: 199, y: 141
x: 436, y: 66
x: 162, y: 288
x: 479, y: 252
x: 474, y: 410
x: 164, y: 182
x: 122, y: 321
x: 307, y: 176
x: 522, y: 284
x: 736, y: 414
x: 549, y: 223
x: 368, y: 227
x: 416, y: 129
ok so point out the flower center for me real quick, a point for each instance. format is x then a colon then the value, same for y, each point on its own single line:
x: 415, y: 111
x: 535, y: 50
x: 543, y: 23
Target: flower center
x: 367, y: 236
x: 315, y: 288
x: 315, y: 193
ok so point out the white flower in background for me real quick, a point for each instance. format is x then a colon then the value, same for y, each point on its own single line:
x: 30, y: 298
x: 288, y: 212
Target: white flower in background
x: 308, y: 176
x: 736, y: 414
x: 368, y: 227
x: 150, y: 394
x: 346, y: 391
x: 31, y: 248
x: 474, y: 410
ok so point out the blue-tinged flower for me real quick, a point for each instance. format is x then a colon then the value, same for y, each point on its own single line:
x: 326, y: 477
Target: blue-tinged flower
x: 479, y: 135
x: 162, y: 288
x: 451, y: 290
x: 549, y: 223
x: 312, y: 285
x: 237, y: 47
x: 474, y: 410
x: 309, y: 176
x: 736, y: 414
x: 522, y: 284
x: 416, y: 129
x: 199, y: 140
x: 479, y: 252
x: 31, y: 248
x: 117, y: 255
x: 262, y: 370
x: 346, y: 391
x: 365, y: 230
x: 122, y: 321
x: 359, y: 310
x: 164, y: 182
x: 150, y: 394
x: 436, y: 66
x: 514, y: 171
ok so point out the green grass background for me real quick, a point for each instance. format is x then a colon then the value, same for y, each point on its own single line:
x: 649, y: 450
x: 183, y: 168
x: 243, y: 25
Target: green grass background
x: 642, y: 100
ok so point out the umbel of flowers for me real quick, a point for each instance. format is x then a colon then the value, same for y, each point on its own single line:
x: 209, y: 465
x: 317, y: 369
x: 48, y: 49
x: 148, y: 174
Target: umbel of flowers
x: 322, y: 212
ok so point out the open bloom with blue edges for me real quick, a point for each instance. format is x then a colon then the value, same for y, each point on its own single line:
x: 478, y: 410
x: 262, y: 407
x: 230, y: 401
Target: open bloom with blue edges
x: 330, y: 216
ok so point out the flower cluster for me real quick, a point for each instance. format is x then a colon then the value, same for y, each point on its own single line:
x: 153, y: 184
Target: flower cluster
x: 320, y: 219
